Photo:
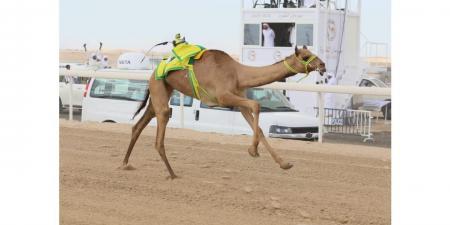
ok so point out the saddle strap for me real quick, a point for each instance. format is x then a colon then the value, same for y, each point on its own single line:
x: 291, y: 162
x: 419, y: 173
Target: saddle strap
x: 196, y: 88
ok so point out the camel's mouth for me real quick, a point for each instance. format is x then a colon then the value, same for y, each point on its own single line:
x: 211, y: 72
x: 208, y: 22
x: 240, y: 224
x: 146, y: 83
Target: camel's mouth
x: 322, y: 71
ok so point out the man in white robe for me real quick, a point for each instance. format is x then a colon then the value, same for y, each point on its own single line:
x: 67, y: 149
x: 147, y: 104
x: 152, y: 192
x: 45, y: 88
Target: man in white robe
x: 269, y: 35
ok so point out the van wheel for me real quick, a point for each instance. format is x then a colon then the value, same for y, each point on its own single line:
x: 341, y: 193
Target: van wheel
x: 109, y: 121
x: 60, y: 105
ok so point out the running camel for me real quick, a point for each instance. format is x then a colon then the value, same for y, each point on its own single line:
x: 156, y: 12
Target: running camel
x: 225, y: 82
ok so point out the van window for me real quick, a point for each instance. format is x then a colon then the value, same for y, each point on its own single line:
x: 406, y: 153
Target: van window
x: 270, y: 100
x: 175, y: 99
x: 305, y: 34
x: 74, y: 79
x: 83, y: 80
x: 366, y: 83
x: 379, y: 83
x: 131, y: 90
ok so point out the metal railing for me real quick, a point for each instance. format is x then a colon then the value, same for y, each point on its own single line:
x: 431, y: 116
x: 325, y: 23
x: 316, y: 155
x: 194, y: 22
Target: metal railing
x: 320, y: 89
x: 348, y: 121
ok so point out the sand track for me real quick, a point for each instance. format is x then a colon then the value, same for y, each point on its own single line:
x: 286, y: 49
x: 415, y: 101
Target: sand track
x: 220, y: 183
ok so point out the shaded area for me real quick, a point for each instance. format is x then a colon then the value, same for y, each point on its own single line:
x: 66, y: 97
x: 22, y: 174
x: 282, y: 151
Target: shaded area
x: 64, y: 114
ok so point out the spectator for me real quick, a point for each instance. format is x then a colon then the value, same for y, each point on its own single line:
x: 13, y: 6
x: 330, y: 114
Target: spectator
x: 268, y: 36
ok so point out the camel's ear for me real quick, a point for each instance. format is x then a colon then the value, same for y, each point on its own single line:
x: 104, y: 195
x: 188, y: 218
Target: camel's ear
x: 304, y: 47
x: 296, y: 50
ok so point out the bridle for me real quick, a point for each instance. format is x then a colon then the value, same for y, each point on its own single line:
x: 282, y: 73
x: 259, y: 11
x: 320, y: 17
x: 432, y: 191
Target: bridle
x: 305, y: 63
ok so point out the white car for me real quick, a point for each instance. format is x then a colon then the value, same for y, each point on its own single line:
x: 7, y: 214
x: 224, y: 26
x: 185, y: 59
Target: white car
x: 373, y: 102
x: 114, y: 100
x: 78, y: 87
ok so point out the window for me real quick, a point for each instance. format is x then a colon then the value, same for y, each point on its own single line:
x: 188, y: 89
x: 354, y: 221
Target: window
x: 251, y: 34
x: 379, y: 83
x: 270, y: 100
x: 83, y: 80
x: 305, y: 34
x: 366, y: 83
x: 277, y: 34
x: 74, y: 79
x: 131, y: 90
x: 175, y: 99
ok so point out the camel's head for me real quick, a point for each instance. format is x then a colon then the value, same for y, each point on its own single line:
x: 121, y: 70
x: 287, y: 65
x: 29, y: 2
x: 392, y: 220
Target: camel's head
x: 309, y: 61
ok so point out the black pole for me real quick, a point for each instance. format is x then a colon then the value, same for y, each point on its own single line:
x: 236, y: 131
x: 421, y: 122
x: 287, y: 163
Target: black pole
x: 162, y: 43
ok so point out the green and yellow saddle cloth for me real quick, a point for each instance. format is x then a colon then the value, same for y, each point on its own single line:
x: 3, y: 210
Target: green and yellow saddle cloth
x: 183, y: 57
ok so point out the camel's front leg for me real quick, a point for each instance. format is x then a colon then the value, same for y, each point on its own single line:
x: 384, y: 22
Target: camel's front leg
x: 248, y: 116
x: 247, y: 106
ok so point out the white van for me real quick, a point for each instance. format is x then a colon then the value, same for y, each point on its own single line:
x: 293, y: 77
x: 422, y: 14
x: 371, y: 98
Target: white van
x: 114, y: 100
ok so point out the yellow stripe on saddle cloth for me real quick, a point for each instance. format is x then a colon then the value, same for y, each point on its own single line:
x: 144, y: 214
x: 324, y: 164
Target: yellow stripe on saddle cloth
x: 183, y: 57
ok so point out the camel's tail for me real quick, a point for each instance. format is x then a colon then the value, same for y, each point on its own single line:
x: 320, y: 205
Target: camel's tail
x: 143, y: 103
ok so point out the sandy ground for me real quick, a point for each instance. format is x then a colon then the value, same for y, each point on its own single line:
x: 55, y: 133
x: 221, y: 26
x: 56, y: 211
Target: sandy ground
x: 220, y: 183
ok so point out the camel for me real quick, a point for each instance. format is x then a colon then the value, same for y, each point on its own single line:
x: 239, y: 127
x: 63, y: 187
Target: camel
x: 225, y: 80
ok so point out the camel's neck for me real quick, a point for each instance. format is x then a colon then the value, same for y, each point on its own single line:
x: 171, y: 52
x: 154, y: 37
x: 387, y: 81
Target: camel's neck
x: 256, y: 76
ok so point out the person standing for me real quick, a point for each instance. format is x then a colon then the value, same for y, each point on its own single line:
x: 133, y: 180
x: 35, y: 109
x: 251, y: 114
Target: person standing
x: 268, y: 36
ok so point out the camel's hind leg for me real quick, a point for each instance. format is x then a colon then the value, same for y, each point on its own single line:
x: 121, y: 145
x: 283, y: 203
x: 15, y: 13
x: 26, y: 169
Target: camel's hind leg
x: 160, y: 94
x: 136, y: 131
x: 248, y: 116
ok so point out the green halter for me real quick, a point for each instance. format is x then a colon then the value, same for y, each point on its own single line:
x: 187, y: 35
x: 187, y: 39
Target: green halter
x: 305, y: 63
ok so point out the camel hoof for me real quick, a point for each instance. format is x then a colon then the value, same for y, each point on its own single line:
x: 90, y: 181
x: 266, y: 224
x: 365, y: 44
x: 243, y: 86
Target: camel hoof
x: 127, y: 167
x: 253, y: 151
x: 172, y: 177
x: 286, y: 166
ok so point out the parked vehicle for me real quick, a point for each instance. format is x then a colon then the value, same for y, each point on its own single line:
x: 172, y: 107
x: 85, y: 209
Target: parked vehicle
x: 113, y: 100
x: 372, y: 102
x: 95, y: 60
x: 78, y: 86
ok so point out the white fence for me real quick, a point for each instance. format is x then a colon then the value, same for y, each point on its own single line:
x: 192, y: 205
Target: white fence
x: 320, y: 89
x: 348, y: 121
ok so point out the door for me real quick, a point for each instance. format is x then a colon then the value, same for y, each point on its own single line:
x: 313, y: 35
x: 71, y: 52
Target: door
x: 369, y: 102
x: 175, y: 112
x: 77, y: 93
x: 214, y: 119
x: 63, y: 90
x: 78, y: 87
